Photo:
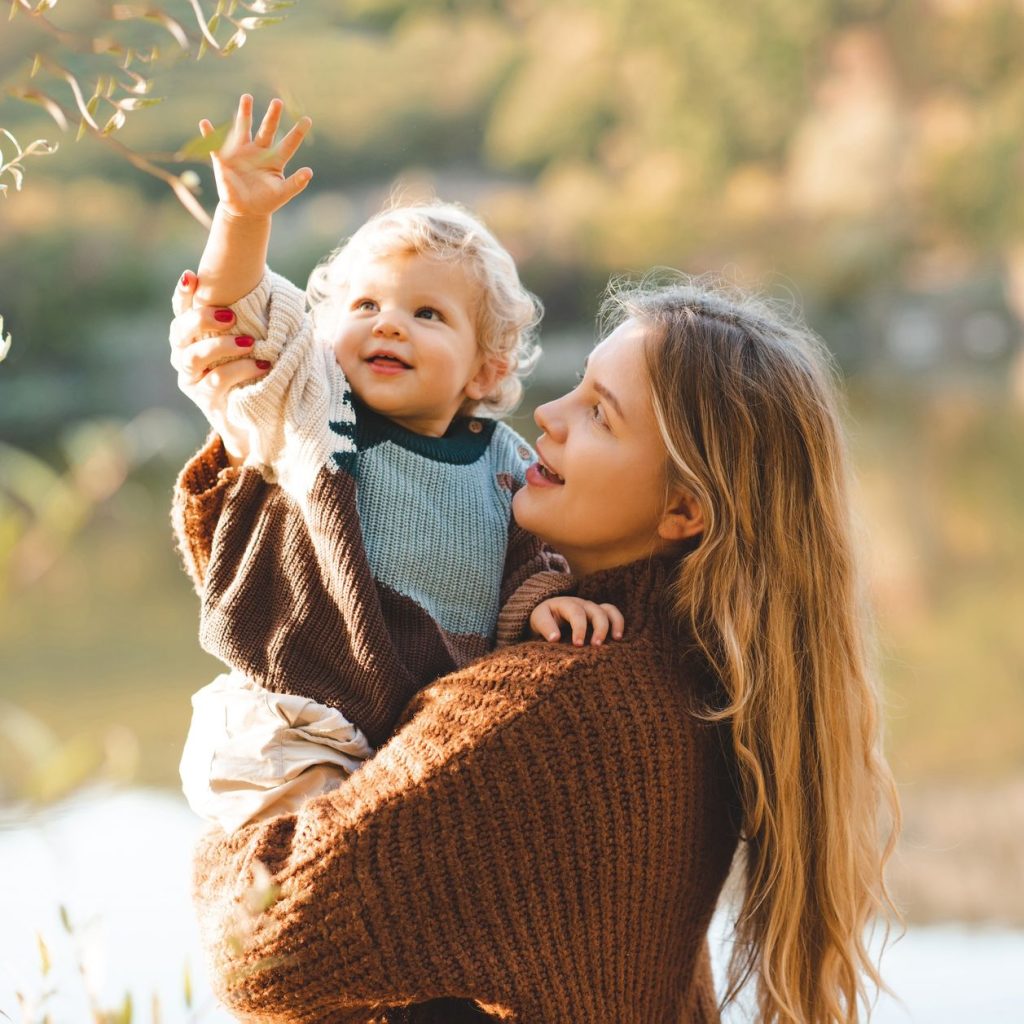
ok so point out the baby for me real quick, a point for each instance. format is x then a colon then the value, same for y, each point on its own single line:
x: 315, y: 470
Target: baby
x: 372, y: 487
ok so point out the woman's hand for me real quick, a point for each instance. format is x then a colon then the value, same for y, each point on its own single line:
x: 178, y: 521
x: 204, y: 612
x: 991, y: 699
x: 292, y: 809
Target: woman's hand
x: 250, y: 169
x: 209, y: 356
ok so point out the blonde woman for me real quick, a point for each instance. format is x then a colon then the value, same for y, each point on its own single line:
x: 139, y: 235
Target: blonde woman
x: 545, y: 837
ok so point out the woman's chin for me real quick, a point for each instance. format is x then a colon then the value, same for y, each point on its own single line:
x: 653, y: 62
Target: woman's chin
x: 528, y: 515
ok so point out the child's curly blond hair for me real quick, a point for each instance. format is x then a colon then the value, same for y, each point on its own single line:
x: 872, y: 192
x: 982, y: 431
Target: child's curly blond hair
x: 507, y: 315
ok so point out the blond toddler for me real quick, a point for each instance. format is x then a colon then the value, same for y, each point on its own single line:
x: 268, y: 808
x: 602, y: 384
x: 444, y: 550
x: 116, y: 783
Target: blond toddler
x: 364, y: 472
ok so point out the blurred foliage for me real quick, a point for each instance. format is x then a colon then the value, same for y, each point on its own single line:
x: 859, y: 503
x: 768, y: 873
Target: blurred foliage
x: 864, y: 154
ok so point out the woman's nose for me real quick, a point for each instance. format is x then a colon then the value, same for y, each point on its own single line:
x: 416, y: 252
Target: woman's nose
x: 549, y: 418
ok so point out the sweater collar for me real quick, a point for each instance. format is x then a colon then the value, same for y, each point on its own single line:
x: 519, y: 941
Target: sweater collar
x: 463, y: 443
x: 641, y: 590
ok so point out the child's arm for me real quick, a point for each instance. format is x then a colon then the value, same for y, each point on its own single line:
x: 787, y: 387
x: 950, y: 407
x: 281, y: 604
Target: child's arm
x: 547, y: 619
x: 251, y: 185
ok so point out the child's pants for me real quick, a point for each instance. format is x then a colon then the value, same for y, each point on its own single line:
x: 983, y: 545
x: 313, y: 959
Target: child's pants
x: 251, y: 754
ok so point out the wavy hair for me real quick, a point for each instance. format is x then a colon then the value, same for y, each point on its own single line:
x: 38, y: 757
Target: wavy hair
x: 507, y: 315
x: 746, y: 402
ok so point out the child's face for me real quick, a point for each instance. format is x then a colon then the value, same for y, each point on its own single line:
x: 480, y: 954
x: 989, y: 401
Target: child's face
x: 406, y: 339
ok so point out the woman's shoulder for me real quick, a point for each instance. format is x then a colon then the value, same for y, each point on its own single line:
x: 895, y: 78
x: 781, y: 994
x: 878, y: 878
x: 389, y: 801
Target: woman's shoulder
x: 634, y: 683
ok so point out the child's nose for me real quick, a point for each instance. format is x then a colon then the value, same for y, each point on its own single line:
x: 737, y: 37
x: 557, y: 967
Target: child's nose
x: 388, y: 326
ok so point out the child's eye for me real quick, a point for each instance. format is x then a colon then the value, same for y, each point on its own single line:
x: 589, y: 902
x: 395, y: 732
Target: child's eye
x: 365, y: 306
x: 429, y: 313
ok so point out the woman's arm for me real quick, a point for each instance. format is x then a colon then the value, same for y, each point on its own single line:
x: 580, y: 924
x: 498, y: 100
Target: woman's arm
x: 433, y: 871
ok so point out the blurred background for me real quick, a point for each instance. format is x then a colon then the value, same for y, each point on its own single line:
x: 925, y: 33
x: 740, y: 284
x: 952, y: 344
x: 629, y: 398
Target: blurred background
x: 861, y: 158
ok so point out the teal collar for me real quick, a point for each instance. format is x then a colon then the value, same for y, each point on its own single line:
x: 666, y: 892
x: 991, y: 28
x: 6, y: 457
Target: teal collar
x: 465, y: 440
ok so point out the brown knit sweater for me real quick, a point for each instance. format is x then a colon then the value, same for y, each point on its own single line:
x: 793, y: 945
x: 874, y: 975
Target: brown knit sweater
x: 543, y: 841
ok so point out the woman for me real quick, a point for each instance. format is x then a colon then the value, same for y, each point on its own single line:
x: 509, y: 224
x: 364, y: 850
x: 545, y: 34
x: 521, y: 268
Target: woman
x: 545, y: 837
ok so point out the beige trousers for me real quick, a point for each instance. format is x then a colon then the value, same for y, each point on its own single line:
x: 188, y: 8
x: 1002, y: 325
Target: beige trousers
x: 251, y: 754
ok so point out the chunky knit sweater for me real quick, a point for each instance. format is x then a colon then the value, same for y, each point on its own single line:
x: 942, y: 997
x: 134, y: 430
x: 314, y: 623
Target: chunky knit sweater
x: 353, y: 560
x: 542, y: 841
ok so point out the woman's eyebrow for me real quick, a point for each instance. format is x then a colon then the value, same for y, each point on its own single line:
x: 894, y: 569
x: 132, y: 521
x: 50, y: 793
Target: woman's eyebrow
x: 609, y: 397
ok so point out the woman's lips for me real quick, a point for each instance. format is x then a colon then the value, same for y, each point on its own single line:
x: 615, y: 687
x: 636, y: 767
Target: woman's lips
x: 538, y: 476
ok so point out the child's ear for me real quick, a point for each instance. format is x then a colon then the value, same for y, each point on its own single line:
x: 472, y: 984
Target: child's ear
x: 683, y: 518
x: 486, y: 379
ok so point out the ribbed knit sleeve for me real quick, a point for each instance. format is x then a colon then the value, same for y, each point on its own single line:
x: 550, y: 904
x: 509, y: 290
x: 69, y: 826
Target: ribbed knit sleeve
x: 197, y: 503
x: 546, y: 835
x: 514, y: 617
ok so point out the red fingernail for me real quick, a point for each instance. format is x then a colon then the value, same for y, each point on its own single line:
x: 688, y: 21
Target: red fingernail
x: 224, y: 316
x: 186, y: 278
x: 263, y: 364
x: 244, y: 341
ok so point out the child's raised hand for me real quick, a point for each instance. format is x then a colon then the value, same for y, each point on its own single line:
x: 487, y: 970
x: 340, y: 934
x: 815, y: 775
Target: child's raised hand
x: 250, y: 169
x: 547, y: 618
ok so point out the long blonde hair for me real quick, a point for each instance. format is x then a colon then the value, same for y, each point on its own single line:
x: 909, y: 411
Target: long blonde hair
x: 747, y: 406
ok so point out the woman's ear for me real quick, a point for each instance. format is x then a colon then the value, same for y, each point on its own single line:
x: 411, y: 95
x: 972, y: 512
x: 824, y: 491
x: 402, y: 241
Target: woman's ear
x: 683, y: 518
x: 485, y: 380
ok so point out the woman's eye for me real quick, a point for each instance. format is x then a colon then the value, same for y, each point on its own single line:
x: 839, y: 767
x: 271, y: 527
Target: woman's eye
x: 597, y: 414
x: 429, y: 313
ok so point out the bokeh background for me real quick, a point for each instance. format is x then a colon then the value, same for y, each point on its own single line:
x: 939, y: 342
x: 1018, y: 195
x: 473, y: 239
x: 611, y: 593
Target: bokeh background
x: 861, y: 158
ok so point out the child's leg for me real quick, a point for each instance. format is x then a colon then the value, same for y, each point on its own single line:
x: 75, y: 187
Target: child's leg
x: 251, y: 754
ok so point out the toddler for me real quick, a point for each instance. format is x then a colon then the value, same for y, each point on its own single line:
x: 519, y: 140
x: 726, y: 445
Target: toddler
x: 365, y: 543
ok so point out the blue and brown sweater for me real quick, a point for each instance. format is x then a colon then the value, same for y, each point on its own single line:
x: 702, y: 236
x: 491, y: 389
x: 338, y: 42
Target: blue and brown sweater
x: 350, y: 560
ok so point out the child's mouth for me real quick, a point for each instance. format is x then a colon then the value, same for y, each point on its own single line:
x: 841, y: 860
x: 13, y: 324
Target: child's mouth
x: 387, y: 364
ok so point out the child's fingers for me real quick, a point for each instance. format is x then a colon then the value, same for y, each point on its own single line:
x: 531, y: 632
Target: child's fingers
x: 599, y: 623
x: 268, y: 126
x: 576, y: 617
x: 206, y: 128
x: 243, y: 119
x: 544, y: 623
x: 294, y: 184
x: 618, y: 623
x: 291, y: 142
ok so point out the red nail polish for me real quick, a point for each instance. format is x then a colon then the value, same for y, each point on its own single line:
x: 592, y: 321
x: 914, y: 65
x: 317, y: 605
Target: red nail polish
x: 186, y: 278
x: 224, y: 316
x: 263, y: 364
x: 244, y: 341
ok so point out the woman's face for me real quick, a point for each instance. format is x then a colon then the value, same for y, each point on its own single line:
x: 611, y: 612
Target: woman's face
x: 599, y: 492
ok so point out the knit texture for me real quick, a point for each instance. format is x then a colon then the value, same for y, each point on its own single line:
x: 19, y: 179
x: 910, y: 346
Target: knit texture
x: 542, y: 841
x: 349, y: 561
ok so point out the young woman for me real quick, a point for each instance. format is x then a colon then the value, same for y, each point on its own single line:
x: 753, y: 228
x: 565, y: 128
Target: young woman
x: 545, y: 836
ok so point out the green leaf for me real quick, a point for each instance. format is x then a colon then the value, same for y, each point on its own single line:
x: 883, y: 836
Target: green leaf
x: 138, y: 102
x: 254, y: 23
x: 65, y: 919
x: 40, y: 147
x: 116, y: 123
x: 236, y: 42
x: 17, y: 145
x: 44, y: 955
